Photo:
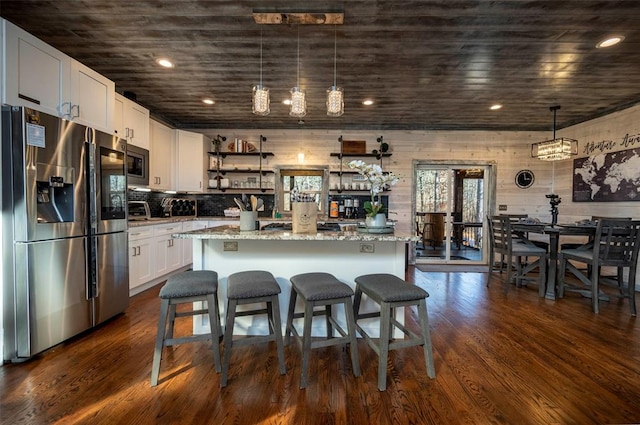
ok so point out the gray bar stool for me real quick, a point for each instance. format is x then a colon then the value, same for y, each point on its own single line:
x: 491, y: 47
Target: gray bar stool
x: 390, y: 292
x: 252, y: 287
x: 321, y: 289
x: 187, y: 287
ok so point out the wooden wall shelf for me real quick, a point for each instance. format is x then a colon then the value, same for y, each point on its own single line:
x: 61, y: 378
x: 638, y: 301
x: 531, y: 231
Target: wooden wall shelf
x: 225, y: 154
x: 352, y: 155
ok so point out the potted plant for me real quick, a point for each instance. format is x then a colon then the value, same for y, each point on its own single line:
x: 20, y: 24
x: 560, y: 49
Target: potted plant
x: 378, y: 181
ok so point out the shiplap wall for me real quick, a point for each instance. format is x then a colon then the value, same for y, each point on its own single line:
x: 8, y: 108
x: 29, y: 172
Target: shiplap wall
x: 509, y: 150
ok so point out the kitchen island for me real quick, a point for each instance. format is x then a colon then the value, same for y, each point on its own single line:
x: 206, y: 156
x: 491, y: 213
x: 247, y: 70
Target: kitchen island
x: 345, y: 254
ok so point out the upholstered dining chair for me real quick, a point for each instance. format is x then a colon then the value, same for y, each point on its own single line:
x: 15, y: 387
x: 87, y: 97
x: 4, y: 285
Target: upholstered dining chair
x: 614, y: 244
x: 512, y: 250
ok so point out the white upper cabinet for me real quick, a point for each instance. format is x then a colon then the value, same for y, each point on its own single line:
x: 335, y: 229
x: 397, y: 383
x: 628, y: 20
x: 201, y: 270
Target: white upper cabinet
x: 190, y: 166
x: 94, y: 97
x: 40, y: 77
x: 35, y: 72
x: 162, y: 153
x: 131, y: 121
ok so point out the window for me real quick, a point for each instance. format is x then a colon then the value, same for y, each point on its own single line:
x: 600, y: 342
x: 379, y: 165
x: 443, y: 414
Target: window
x: 308, y: 181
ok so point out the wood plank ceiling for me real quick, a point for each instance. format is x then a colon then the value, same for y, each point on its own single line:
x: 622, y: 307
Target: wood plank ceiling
x: 431, y: 64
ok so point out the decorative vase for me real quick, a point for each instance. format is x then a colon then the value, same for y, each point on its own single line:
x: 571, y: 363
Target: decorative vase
x: 380, y: 220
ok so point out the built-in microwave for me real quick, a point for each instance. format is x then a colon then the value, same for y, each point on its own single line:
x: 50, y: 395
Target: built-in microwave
x: 137, y: 166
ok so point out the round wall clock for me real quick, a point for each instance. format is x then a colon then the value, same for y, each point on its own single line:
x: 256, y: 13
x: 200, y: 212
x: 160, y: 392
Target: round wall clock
x: 524, y: 179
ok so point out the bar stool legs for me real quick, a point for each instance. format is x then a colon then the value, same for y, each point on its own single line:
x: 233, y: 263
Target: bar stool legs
x: 390, y: 292
x: 252, y: 287
x: 321, y: 290
x: 187, y: 287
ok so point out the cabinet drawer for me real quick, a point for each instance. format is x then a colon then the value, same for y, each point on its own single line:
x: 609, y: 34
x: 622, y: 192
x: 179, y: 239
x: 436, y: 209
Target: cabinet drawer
x: 167, y: 229
x: 141, y: 232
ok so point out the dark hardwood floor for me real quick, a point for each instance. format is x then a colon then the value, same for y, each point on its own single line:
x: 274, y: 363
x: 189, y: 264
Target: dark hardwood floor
x: 514, y: 359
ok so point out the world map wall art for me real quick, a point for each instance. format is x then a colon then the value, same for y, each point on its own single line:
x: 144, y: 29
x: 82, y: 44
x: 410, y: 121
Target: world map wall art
x: 607, y: 177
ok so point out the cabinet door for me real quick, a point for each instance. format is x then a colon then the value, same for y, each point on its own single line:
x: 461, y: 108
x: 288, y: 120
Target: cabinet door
x: 130, y: 121
x: 187, y: 244
x: 190, y: 167
x: 37, y: 75
x: 174, y: 254
x: 118, y: 116
x: 168, y: 250
x: 136, y: 120
x: 141, y: 267
x: 92, y: 97
x: 161, y: 251
x: 162, y: 152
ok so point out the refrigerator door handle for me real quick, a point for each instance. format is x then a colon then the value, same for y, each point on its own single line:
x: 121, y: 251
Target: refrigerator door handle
x: 91, y: 186
x: 93, y: 257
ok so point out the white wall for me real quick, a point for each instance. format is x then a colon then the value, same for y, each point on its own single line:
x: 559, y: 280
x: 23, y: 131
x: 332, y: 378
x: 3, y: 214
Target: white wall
x: 611, y: 128
x: 509, y: 150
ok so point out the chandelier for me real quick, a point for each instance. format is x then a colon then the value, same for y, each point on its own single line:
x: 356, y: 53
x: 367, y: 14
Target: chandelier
x: 555, y: 149
x: 260, y: 104
x: 298, y: 96
x: 335, y: 94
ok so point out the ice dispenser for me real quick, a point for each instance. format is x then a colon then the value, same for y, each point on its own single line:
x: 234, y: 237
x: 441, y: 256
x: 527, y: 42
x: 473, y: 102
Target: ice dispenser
x: 55, y: 198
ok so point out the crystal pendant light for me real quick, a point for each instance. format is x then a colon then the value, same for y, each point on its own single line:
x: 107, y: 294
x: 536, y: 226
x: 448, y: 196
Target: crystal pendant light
x: 260, y: 104
x: 555, y: 149
x: 335, y: 94
x: 298, y: 96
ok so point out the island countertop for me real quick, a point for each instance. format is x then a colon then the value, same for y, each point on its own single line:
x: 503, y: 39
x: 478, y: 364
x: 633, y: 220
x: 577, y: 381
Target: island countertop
x: 344, y: 254
x: 234, y: 233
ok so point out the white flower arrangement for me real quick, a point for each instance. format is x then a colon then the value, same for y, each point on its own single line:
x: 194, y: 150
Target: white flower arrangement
x: 379, y: 181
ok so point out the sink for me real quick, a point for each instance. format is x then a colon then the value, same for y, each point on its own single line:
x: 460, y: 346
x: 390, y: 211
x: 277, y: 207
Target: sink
x: 322, y: 227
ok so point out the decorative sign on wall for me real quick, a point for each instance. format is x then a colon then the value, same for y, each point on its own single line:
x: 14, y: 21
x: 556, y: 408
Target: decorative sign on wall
x: 610, y: 177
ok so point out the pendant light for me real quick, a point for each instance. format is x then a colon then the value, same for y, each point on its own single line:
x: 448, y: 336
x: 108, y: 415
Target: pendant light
x: 298, y: 96
x: 335, y: 94
x: 260, y: 104
x: 555, y: 149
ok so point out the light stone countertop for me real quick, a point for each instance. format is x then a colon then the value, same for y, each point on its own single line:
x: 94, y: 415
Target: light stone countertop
x: 234, y: 233
x: 163, y: 220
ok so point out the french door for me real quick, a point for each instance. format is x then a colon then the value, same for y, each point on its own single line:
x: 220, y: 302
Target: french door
x: 451, y: 201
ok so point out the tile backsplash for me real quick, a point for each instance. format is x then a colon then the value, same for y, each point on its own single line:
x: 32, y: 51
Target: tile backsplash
x: 209, y: 205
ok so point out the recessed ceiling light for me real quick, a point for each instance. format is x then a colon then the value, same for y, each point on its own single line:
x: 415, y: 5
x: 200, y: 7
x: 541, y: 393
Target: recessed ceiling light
x: 609, y: 41
x: 287, y: 101
x: 208, y: 101
x: 164, y: 62
x: 495, y: 107
x: 367, y: 102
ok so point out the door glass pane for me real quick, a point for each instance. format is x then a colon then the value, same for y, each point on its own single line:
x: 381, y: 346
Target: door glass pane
x: 450, y: 204
x: 432, y: 190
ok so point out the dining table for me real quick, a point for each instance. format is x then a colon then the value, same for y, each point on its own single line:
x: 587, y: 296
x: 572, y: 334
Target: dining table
x: 523, y: 228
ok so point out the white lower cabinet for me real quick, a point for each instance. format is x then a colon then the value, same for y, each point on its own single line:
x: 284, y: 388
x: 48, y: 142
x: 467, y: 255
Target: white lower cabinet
x: 187, y: 244
x: 168, y: 250
x: 141, y: 264
x: 153, y: 253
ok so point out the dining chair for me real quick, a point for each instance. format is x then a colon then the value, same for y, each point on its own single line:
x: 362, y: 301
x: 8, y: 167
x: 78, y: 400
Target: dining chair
x: 615, y: 244
x: 513, y: 249
x: 589, y: 243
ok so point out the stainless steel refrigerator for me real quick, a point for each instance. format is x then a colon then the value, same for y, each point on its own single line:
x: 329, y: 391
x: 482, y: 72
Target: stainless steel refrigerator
x: 65, y: 264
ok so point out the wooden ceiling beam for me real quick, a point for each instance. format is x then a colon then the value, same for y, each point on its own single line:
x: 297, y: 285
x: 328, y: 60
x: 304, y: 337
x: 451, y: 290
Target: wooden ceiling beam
x: 301, y: 18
